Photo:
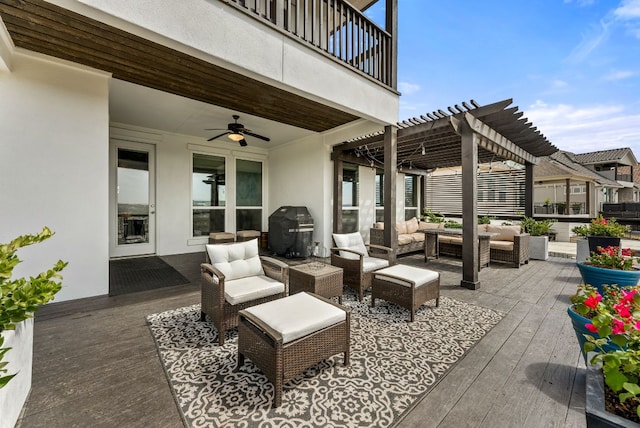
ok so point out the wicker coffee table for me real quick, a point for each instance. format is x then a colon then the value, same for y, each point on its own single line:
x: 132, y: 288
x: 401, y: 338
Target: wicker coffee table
x: 318, y: 278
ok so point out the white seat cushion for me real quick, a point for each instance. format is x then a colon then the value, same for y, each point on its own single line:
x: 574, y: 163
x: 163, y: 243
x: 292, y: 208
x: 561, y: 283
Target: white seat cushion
x: 237, y: 260
x: 251, y: 288
x: 298, y: 315
x: 352, y: 241
x: 418, y: 275
x: 369, y: 264
x: 501, y: 245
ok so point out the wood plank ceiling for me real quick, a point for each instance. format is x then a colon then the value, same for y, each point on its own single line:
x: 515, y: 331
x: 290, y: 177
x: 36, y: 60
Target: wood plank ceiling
x: 38, y: 26
x: 430, y: 141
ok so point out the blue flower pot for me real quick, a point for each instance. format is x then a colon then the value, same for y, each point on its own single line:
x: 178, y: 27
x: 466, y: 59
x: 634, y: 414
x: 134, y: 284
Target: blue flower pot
x: 597, y: 276
x: 579, y: 322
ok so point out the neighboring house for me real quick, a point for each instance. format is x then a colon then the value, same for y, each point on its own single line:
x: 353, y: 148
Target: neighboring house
x: 564, y: 186
x: 619, y: 165
x: 105, y: 106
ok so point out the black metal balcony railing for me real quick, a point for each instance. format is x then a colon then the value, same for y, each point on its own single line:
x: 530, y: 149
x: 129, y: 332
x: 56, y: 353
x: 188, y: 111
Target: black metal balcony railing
x: 333, y: 26
x: 624, y: 177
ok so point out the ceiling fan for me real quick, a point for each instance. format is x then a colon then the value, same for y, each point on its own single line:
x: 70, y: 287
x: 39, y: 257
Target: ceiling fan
x: 236, y: 132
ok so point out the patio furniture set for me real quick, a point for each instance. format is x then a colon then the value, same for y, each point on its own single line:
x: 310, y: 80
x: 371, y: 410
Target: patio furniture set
x: 496, y: 243
x: 284, y: 335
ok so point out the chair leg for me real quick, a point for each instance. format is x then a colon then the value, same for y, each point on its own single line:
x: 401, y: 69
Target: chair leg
x: 203, y: 317
x: 240, y: 359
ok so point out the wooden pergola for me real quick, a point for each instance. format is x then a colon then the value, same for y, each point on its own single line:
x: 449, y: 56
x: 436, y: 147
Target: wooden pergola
x: 466, y: 136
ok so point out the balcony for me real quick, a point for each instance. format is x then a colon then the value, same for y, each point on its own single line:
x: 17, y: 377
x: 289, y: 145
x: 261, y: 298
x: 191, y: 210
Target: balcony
x: 334, y: 27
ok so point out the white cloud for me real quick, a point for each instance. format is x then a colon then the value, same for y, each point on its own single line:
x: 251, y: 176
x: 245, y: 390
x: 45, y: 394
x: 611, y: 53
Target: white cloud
x: 582, y: 129
x: 619, y: 75
x: 407, y: 88
x: 629, y: 9
x: 559, y: 83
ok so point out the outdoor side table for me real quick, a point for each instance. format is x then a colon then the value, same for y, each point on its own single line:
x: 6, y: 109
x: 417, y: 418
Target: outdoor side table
x: 318, y: 278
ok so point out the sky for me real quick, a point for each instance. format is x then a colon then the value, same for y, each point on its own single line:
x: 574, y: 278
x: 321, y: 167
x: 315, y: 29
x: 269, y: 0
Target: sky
x: 572, y: 66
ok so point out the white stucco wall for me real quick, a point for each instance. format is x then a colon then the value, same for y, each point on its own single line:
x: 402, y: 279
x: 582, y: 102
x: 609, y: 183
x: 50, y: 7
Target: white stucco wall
x: 53, y: 169
x: 209, y: 30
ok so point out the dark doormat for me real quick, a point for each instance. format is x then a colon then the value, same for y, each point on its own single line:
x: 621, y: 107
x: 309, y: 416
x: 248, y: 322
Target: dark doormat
x: 141, y: 274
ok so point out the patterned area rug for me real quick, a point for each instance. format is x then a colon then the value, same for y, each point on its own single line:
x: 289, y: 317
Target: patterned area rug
x: 393, y: 364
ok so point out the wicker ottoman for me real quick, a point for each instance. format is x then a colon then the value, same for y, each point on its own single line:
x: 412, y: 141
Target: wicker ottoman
x: 247, y: 235
x: 406, y: 286
x: 221, y: 237
x: 286, y: 336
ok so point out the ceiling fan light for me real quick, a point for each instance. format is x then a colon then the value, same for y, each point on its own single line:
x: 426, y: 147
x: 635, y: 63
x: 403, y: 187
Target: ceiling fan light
x: 235, y: 136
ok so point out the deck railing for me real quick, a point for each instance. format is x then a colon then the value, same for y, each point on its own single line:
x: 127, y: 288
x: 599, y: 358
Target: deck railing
x: 333, y: 26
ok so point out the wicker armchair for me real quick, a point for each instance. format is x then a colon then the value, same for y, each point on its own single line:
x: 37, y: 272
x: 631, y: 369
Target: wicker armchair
x: 517, y: 255
x: 352, y: 255
x: 234, y: 278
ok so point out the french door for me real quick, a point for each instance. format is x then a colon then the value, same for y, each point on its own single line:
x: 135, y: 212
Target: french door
x: 132, y: 199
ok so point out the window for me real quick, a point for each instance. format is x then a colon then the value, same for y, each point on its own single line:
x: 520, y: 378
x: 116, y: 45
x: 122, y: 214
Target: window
x: 350, y: 199
x: 579, y: 189
x: 410, y: 196
x: 248, y: 195
x: 379, y: 196
x: 208, y: 194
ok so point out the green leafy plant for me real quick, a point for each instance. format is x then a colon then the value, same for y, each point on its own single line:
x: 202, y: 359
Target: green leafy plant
x: 536, y: 227
x: 547, y: 201
x: 600, y: 226
x: 485, y: 219
x: 615, y: 317
x: 451, y: 224
x: 20, y: 298
x: 433, y: 217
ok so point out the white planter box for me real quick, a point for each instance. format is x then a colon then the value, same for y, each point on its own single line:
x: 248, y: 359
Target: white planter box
x: 20, y: 358
x: 539, y: 247
x: 582, y: 250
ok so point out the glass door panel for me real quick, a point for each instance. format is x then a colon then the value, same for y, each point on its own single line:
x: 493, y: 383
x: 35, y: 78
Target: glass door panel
x: 134, y: 200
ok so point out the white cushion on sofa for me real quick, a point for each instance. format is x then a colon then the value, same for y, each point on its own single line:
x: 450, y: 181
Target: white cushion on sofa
x: 501, y: 245
x: 369, y: 264
x: 251, y: 288
x: 428, y: 225
x: 417, y: 236
x: 418, y: 275
x: 412, y: 225
x: 505, y: 233
x: 404, y: 239
x: 237, y: 260
x: 298, y: 315
x: 352, y: 241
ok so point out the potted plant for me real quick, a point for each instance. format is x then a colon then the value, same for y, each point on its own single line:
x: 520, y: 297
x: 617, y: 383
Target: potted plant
x: 539, y: 239
x: 19, y: 299
x: 547, y: 205
x: 602, y: 232
x: 610, y: 265
x: 576, y: 207
x: 612, y: 342
x: 561, y: 206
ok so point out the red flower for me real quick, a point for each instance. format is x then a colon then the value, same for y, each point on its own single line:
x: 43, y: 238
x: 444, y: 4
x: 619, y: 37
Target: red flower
x: 637, y: 325
x: 628, y: 252
x: 618, y: 327
x: 627, y: 296
x: 593, y: 300
x: 623, y: 310
x: 593, y: 329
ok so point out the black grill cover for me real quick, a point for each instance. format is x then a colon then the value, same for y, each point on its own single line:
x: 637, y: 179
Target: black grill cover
x: 290, y: 231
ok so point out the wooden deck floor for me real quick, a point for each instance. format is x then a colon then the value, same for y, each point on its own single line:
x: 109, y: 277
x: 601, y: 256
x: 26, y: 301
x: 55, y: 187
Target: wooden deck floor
x: 95, y: 364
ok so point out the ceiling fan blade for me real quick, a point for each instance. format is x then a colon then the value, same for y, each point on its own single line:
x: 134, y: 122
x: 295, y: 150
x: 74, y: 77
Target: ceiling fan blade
x: 215, y: 129
x: 243, y: 143
x: 218, y: 136
x: 256, y: 135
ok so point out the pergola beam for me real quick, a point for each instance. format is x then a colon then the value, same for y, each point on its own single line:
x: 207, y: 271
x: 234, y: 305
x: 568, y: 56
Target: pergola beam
x: 491, y: 140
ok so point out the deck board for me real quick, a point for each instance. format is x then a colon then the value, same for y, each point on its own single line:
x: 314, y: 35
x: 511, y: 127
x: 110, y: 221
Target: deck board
x: 95, y: 363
